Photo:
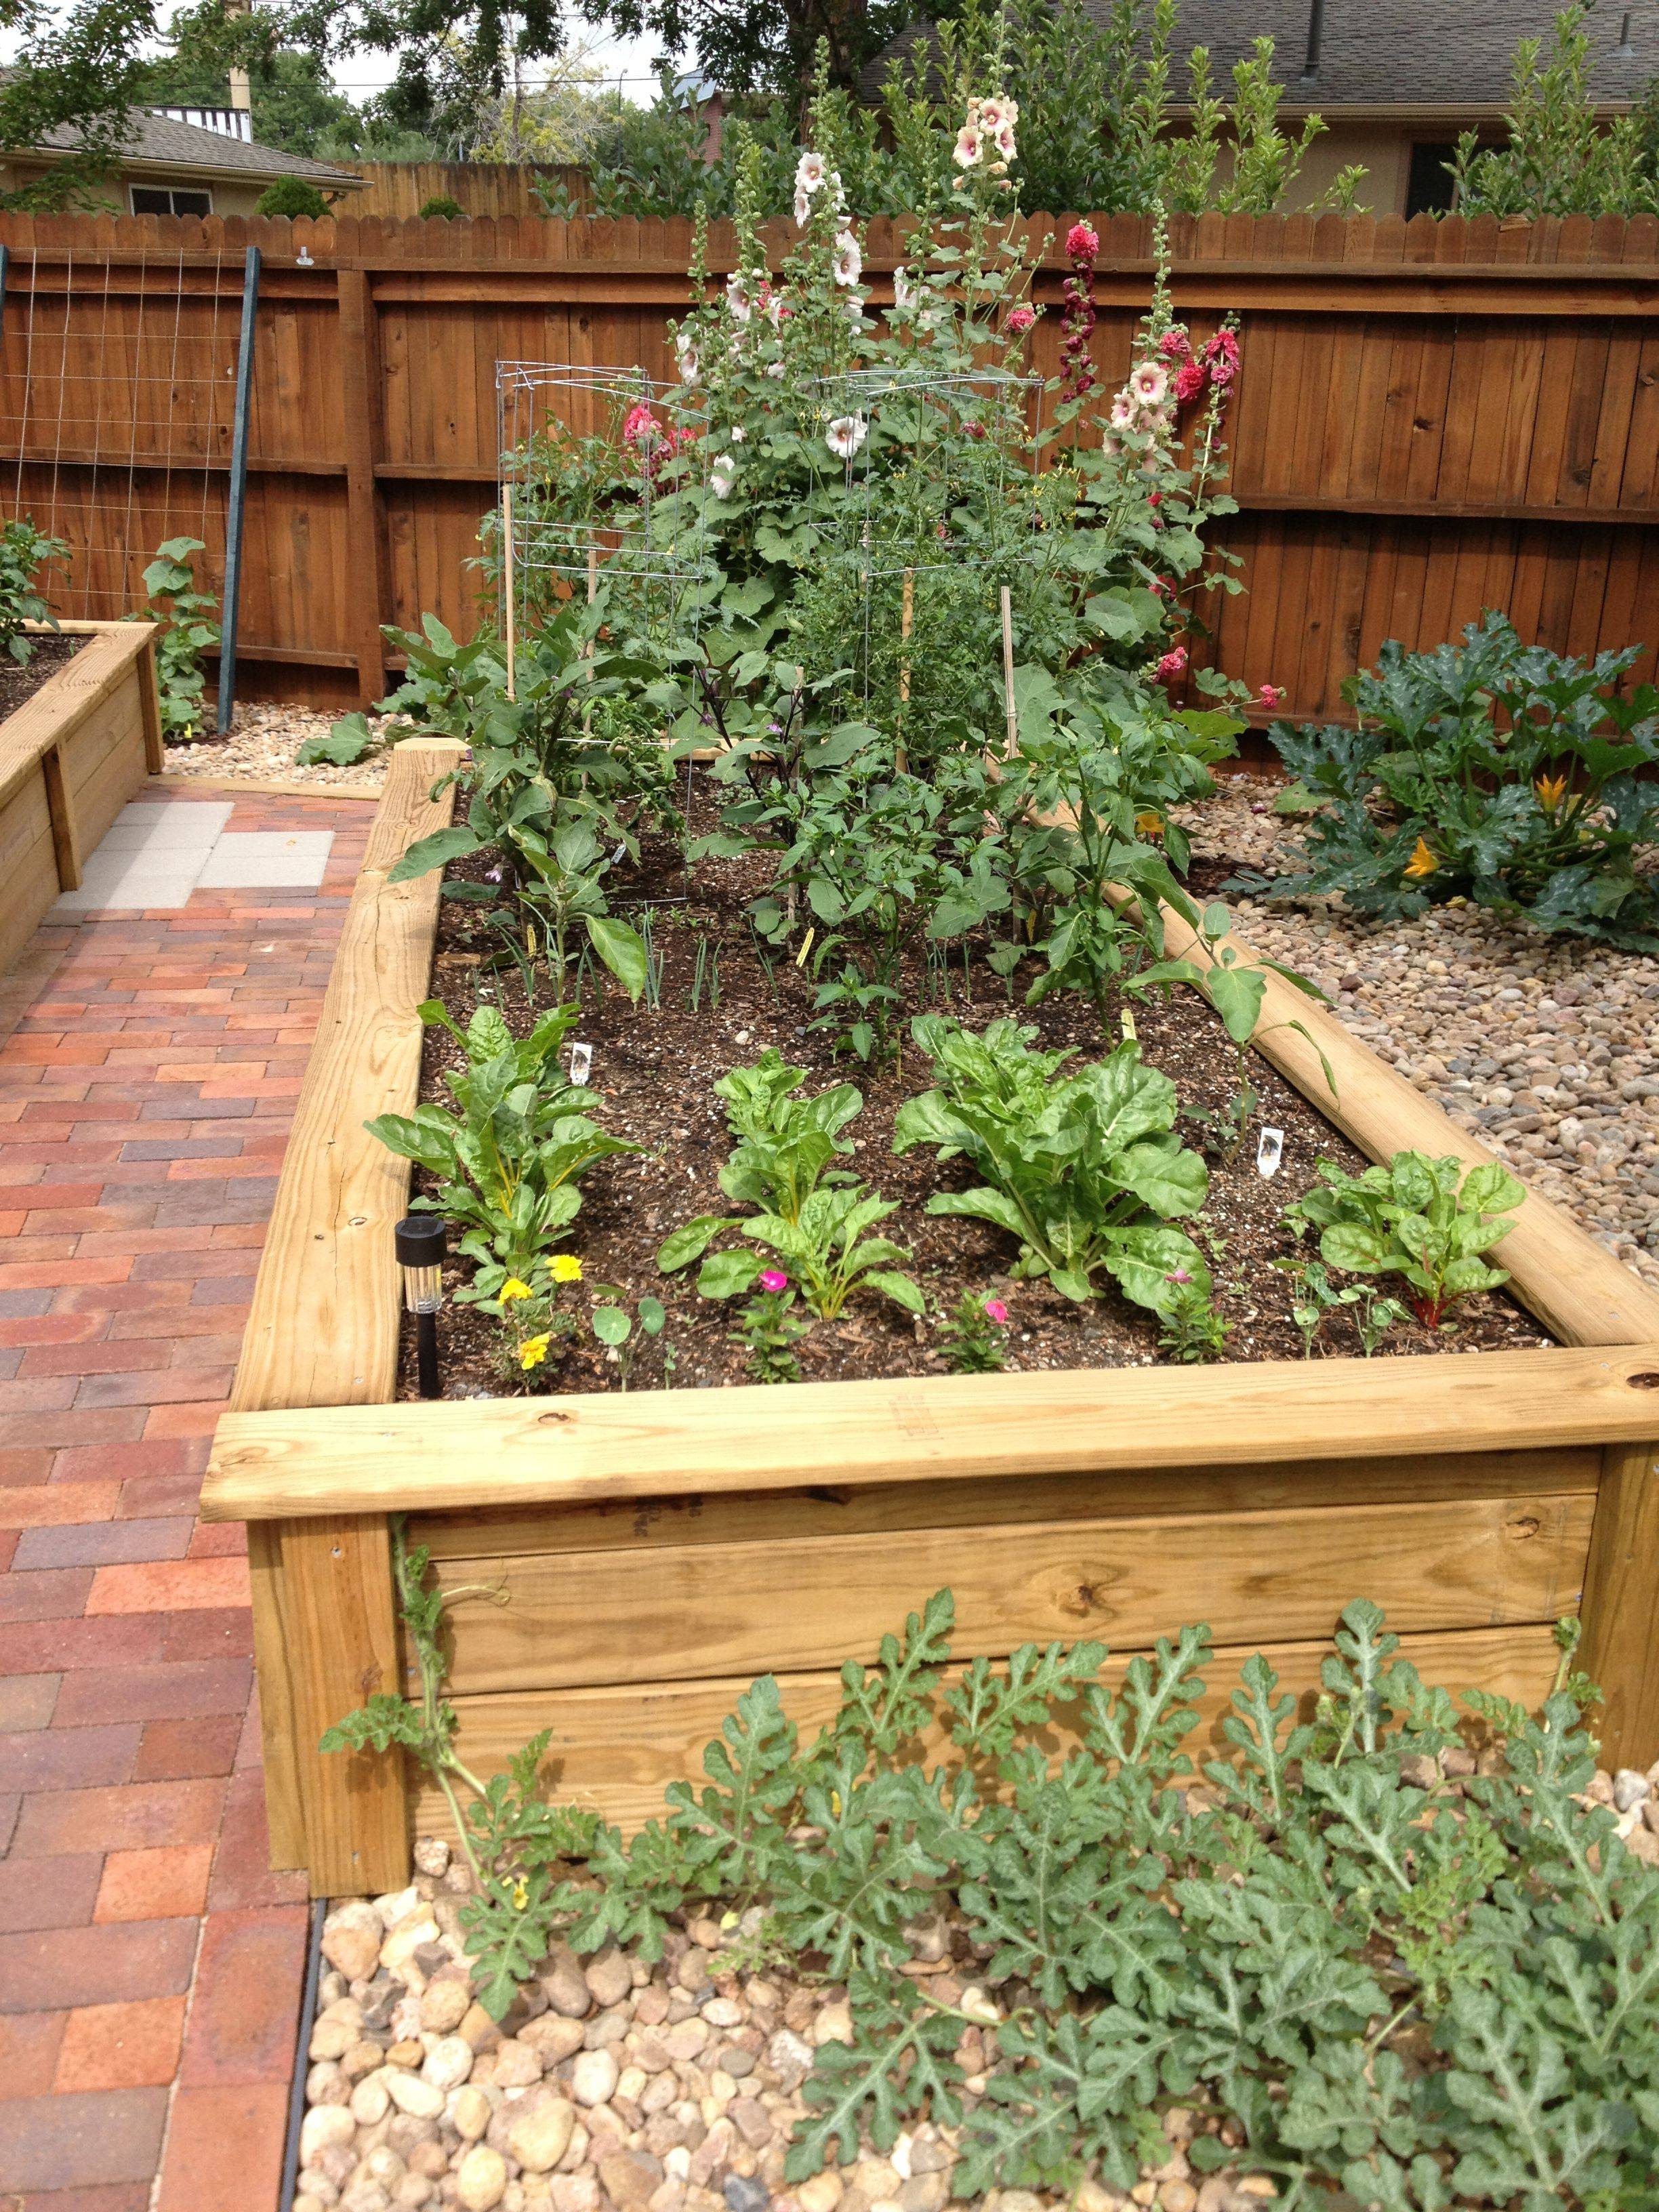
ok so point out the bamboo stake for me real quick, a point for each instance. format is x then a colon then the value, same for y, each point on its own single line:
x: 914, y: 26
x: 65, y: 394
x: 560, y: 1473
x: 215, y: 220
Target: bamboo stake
x: 592, y: 594
x: 907, y: 616
x: 1008, y: 675
x: 507, y: 541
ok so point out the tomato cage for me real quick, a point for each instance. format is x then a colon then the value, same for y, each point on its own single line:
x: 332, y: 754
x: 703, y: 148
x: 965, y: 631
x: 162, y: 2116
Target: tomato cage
x: 924, y: 503
x: 602, y: 478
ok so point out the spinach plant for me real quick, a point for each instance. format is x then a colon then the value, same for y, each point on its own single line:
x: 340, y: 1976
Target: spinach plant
x: 1422, y: 1219
x: 25, y: 551
x: 1493, y: 771
x: 1082, y: 1167
x: 508, y: 1163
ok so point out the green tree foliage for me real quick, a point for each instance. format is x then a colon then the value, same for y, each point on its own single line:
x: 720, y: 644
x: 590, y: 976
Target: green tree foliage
x: 1559, y: 157
x: 293, y: 195
x: 75, y: 78
x: 292, y: 101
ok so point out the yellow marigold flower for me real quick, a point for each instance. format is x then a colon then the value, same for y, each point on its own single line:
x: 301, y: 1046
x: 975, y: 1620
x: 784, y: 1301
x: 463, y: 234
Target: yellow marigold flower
x: 1551, y: 790
x: 512, y: 1288
x: 532, y: 1351
x: 1149, y: 824
x: 565, y: 1268
x: 1422, y: 861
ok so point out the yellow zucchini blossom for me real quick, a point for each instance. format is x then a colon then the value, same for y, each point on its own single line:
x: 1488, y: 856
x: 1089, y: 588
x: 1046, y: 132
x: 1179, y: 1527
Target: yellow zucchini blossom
x: 1422, y: 861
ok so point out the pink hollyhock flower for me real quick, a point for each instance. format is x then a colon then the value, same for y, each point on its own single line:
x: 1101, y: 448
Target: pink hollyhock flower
x: 1021, y: 321
x: 1222, y: 372
x: 1175, y: 345
x: 1173, y: 663
x: 1082, y: 242
x: 1154, y: 499
x: 1148, y: 381
x: 1159, y: 587
x: 996, y: 1311
x: 774, y: 1279
x: 1272, y: 696
x: 975, y: 430
x: 641, y: 426
x: 1189, y: 382
x: 1224, y: 346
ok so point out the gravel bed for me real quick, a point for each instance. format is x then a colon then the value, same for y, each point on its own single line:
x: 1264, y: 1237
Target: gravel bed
x: 616, y: 2085
x: 263, y: 742
x: 1545, y: 1047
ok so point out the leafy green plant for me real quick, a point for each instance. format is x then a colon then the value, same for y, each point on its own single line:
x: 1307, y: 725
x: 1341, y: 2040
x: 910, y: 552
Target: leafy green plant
x: 1560, y: 153
x: 536, y: 1328
x: 508, y: 1163
x: 25, y: 551
x: 188, y: 629
x: 973, y: 1335
x: 1193, y: 1332
x: 1493, y: 771
x: 1353, y: 1972
x: 292, y: 197
x: 1423, y: 1219
x: 1083, y: 1169
x: 769, y: 1328
x: 613, y: 1326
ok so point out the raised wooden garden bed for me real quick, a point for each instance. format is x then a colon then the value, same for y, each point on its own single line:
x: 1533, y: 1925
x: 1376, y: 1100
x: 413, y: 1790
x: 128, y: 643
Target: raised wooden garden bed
x: 655, y: 1551
x: 71, y: 757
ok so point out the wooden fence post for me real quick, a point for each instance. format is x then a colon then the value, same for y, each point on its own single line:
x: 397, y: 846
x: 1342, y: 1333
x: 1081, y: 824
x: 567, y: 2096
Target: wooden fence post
x: 1620, y: 1649
x: 370, y: 597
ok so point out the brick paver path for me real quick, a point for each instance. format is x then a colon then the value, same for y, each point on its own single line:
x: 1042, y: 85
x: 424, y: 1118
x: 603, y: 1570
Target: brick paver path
x: 150, y: 1964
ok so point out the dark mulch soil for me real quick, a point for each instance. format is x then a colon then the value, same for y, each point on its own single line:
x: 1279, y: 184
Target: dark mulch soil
x: 19, y: 685
x: 656, y: 1069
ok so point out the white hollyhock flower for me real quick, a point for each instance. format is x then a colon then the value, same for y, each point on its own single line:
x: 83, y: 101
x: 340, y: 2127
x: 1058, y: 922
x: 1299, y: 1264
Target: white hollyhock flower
x: 849, y: 263
x: 968, y: 148
x: 1148, y: 383
x: 737, y: 299
x: 738, y: 434
x: 1004, y: 142
x: 686, y: 351
x: 722, y: 475
x: 903, y: 291
x: 775, y: 368
x: 803, y: 207
x: 989, y: 114
x: 845, y: 435
x: 809, y: 173
x: 1125, y: 413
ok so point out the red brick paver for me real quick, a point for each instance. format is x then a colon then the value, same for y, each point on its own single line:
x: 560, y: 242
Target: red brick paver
x: 150, y: 1964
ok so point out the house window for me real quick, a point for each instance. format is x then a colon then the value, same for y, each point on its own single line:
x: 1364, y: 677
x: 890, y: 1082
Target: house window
x: 1429, y: 188
x: 169, y: 199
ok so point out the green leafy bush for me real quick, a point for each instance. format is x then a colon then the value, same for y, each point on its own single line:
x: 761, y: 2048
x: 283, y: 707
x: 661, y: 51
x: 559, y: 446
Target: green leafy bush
x: 1418, y: 1990
x: 1560, y: 153
x: 1083, y: 1169
x: 24, y: 552
x: 188, y: 629
x: 1494, y: 771
x: 441, y: 208
x: 509, y: 1163
x: 292, y: 197
x: 1423, y: 1219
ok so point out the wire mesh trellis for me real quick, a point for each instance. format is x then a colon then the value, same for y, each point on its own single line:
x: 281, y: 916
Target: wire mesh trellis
x: 117, y: 397
x: 603, y: 480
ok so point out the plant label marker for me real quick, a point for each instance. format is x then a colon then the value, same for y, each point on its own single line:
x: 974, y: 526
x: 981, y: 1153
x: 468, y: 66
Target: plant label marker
x: 1128, y: 1020
x: 581, y: 1062
x: 1269, y: 1151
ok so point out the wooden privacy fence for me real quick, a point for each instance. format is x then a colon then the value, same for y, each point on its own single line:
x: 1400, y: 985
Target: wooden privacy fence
x: 401, y: 189
x: 1431, y: 417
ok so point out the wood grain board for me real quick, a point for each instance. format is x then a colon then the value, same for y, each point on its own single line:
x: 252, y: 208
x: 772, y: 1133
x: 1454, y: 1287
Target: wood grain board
x: 1431, y: 417
x: 323, y: 1330
x: 617, y: 1748
x: 557, y: 1619
x: 363, y: 1459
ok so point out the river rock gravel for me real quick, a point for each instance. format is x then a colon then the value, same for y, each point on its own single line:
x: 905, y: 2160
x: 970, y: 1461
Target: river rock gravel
x: 1545, y: 1047
x: 262, y: 744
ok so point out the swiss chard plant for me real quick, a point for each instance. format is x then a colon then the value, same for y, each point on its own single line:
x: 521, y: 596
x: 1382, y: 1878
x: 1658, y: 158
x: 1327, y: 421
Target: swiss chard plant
x: 813, y: 1218
x: 509, y: 1157
x: 1426, y: 1221
x: 25, y: 553
x: 1490, y: 770
x: 1082, y: 1167
x: 1360, y: 1976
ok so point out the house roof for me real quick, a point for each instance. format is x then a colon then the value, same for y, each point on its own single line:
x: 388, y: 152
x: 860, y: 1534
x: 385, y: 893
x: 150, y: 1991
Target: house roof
x: 161, y: 142
x: 1454, y: 55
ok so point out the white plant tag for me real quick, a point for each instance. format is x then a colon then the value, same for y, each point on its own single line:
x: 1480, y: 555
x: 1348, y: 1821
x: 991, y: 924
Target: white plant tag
x: 581, y: 1059
x: 1269, y: 1151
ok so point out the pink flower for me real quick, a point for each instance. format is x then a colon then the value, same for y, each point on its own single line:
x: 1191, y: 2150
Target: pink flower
x: 1224, y: 346
x: 1272, y: 696
x: 774, y: 1279
x: 1172, y: 664
x: 1082, y: 242
x: 1159, y: 587
x: 996, y: 1311
x: 1189, y: 382
x: 1154, y: 499
x: 1222, y: 372
x: 1021, y: 321
x: 641, y: 426
x: 1179, y: 1275
x: 1175, y: 345
x: 975, y: 430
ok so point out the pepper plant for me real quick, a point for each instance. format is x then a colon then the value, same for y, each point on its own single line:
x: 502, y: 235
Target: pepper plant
x: 25, y: 552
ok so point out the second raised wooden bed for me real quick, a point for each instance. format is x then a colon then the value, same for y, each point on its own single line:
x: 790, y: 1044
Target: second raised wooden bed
x: 655, y: 1551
